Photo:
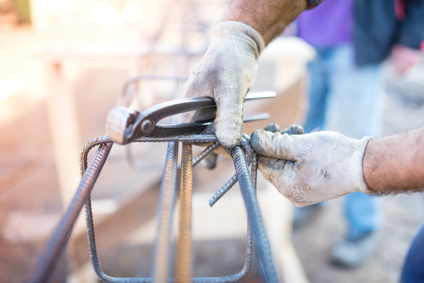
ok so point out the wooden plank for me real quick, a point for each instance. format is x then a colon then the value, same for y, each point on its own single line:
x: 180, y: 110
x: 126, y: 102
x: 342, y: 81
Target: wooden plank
x: 64, y: 130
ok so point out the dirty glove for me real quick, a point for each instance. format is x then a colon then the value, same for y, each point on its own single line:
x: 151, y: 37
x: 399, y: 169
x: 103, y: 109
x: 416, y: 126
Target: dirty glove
x: 311, y: 168
x: 226, y: 73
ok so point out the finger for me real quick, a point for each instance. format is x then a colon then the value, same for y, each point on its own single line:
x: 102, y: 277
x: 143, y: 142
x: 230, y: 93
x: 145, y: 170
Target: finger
x: 283, y: 176
x: 229, y: 119
x: 275, y: 145
x: 196, y: 87
x: 270, y: 168
x: 280, y: 173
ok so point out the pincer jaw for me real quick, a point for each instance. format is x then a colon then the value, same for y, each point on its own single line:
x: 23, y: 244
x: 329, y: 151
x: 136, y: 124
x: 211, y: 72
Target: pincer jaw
x: 119, y: 123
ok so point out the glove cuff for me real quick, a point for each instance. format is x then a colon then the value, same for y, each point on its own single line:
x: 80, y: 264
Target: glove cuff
x: 363, y: 186
x: 241, y: 28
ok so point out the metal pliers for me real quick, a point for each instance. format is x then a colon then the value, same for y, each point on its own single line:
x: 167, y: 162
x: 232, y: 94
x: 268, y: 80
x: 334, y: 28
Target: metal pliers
x: 124, y: 125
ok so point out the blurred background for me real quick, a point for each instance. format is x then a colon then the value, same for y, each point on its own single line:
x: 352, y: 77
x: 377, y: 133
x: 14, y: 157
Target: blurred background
x: 64, y: 65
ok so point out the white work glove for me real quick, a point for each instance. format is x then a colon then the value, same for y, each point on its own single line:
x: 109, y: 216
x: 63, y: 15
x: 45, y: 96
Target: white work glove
x: 311, y: 168
x: 226, y: 73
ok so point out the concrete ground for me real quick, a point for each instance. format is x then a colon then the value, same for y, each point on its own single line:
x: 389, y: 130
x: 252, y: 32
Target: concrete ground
x: 30, y: 204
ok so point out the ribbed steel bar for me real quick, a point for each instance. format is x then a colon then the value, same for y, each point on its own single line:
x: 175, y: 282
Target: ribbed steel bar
x: 204, y: 153
x: 254, y: 169
x: 62, y: 232
x: 162, y: 249
x: 233, y: 180
x: 245, y: 143
x: 255, y: 218
x: 184, y: 257
x: 105, y: 142
x: 90, y: 226
x: 224, y: 189
x: 93, y: 252
x: 247, y: 265
x: 161, y: 263
x: 93, y: 249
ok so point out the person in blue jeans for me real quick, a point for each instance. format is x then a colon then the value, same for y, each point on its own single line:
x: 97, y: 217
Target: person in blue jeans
x: 344, y: 97
x: 227, y: 71
x: 315, y: 167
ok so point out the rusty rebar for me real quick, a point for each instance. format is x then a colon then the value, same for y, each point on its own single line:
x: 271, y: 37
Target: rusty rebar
x: 260, y: 237
x: 184, y: 258
x: 168, y: 188
x: 61, y: 234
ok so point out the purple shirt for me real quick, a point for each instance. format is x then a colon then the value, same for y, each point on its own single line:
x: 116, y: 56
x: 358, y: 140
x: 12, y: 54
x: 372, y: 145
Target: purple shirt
x: 328, y: 25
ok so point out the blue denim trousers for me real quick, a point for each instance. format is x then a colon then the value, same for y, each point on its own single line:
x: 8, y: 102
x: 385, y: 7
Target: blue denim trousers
x: 413, y: 271
x: 347, y: 99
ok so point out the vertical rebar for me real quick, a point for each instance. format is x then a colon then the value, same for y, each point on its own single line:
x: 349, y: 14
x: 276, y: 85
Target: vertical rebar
x: 184, y: 262
x: 259, y: 234
x: 161, y: 260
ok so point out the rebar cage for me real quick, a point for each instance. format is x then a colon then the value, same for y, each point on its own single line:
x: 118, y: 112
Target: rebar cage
x: 167, y: 266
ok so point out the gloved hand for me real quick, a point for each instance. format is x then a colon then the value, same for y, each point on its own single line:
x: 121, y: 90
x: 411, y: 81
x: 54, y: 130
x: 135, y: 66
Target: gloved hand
x: 311, y: 168
x: 226, y: 73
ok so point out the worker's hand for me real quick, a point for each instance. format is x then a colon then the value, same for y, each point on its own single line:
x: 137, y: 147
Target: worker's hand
x: 226, y: 73
x: 311, y: 168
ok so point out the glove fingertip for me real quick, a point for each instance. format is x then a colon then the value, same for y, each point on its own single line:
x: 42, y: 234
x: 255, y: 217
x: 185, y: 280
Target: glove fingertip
x: 255, y: 142
x: 229, y: 128
x: 228, y: 138
x: 263, y: 142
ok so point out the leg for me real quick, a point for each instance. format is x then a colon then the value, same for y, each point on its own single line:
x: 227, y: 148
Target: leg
x: 355, y: 98
x: 317, y: 93
x: 363, y: 214
x: 355, y: 110
x: 315, y: 117
x: 412, y: 270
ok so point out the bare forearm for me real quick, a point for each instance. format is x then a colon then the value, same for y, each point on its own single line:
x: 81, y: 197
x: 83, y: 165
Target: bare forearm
x: 394, y: 164
x: 268, y: 17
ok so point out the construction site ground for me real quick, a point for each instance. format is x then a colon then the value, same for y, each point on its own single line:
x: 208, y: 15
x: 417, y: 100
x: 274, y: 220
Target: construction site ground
x: 30, y: 202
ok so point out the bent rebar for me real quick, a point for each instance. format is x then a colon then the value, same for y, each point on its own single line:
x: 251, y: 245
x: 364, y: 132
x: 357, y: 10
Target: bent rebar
x: 60, y: 236
x: 161, y: 259
x: 90, y: 226
x: 260, y: 237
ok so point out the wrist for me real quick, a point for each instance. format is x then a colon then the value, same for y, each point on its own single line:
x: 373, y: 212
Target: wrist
x: 268, y: 17
x: 393, y: 164
x: 240, y: 29
x: 364, y: 166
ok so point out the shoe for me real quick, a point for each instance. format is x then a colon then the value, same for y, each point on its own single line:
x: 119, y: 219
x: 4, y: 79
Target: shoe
x: 303, y: 215
x: 353, y: 252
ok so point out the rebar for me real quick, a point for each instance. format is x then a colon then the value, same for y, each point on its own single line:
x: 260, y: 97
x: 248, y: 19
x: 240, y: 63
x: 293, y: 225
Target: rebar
x: 90, y: 175
x: 183, y: 263
x: 90, y: 222
x: 204, y: 153
x: 260, y: 237
x: 165, y: 210
x: 227, y: 186
x: 61, y: 234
